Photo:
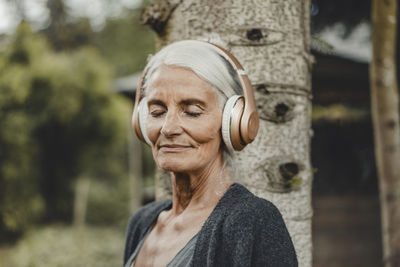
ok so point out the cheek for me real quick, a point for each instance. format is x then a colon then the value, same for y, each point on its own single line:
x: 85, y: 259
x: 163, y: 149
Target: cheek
x: 153, y: 128
x: 205, y: 131
x: 208, y: 150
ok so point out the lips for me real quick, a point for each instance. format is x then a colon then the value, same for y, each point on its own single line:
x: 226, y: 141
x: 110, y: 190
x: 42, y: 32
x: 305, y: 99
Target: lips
x: 174, y: 147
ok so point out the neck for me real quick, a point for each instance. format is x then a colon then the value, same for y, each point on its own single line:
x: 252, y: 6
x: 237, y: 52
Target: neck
x: 199, y: 189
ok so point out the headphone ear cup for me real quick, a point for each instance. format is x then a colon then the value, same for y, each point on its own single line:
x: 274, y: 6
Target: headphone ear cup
x: 143, y: 112
x: 231, y: 117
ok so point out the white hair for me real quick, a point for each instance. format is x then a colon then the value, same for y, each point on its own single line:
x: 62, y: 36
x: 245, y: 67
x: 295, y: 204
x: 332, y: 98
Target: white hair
x: 203, y: 59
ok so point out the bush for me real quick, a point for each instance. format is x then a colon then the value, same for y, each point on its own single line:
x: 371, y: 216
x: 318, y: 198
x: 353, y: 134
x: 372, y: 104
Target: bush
x: 60, y: 120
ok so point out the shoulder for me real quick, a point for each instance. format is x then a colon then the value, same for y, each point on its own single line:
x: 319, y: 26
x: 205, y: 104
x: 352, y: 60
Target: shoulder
x: 255, y: 224
x: 144, y: 216
x: 244, y: 206
x: 139, y: 222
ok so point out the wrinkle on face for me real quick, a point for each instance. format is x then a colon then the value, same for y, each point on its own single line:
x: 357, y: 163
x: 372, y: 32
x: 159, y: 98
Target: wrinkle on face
x: 175, y: 95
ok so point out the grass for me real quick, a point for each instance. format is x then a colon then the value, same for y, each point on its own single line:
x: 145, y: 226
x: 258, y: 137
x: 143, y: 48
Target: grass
x: 66, y: 246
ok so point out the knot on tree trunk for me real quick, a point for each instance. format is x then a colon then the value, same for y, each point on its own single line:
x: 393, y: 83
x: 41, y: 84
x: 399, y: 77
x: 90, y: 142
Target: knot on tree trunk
x: 254, y: 34
x: 158, y: 13
x: 283, y: 174
x: 251, y: 36
x: 278, y: 110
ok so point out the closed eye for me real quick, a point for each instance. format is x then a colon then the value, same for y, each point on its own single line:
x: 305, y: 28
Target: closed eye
x: 193, y: 110
x: 156, y: 110
x: 193, y: 114
x: 156, y: 114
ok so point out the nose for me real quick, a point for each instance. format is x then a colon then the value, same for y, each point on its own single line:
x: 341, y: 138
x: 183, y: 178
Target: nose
x: 171, y: 125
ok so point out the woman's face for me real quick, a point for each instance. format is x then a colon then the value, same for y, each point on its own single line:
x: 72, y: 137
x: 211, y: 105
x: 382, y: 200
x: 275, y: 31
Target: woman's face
x: 184, y: 120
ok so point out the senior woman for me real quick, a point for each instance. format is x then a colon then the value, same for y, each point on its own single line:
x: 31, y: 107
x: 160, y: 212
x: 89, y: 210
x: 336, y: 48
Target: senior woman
x: 188, y: 110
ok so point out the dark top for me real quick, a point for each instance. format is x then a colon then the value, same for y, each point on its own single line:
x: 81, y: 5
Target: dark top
x: 242, y: 230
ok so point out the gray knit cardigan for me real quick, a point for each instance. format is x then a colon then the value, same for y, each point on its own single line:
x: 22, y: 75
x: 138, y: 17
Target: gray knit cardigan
x: 243, y: 230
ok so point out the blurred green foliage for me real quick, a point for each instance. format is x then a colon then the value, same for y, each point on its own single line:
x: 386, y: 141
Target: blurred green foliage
x: 63, y: 32
x: 125, y: 43
x: 59, y: 121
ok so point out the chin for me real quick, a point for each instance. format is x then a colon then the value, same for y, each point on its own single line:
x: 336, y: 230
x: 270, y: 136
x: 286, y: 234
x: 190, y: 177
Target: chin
x: 175, y: 165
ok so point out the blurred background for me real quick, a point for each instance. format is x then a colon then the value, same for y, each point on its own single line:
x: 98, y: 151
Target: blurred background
x: 65, y: 129
x: 71, y: 172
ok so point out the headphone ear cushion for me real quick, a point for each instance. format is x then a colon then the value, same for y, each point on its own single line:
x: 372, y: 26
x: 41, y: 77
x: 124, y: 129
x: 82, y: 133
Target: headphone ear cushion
x: 227, y: 122
x: 143, y: 112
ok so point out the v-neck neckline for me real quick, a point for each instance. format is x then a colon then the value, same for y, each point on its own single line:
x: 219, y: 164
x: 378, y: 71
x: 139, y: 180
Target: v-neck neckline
x: 167, y: 206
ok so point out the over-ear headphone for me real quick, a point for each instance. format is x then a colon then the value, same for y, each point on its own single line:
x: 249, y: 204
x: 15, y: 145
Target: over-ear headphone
x: 240, y: 120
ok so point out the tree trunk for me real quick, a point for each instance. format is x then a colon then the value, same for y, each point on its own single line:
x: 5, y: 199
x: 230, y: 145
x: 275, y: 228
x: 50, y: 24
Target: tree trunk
x: 271, y: 40
x: 385, y: 115
x: 135, y: 171
x: 82, y: 188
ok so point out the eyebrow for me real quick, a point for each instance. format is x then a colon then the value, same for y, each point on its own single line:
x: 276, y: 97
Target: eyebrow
x: 155, y: 102
x: 186, y: 102
x: 193, y: 101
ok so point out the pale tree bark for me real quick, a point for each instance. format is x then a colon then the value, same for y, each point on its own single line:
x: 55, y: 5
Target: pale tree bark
x: 385, y: 115
x: 271, y: 39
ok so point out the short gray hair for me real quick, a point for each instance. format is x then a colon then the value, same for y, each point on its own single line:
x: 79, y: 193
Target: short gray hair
x: 204, y: 60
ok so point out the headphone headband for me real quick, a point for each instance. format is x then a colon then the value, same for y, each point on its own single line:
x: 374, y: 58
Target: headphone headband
x: 249, y: 122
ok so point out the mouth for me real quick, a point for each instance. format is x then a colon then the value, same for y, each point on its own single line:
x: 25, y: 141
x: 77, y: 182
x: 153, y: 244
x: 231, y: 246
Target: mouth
x: 174, y: 148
